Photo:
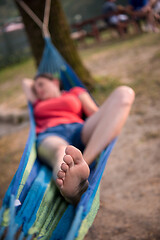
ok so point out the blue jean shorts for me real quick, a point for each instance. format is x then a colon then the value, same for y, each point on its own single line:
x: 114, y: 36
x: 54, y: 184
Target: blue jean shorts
x: 71, y: 133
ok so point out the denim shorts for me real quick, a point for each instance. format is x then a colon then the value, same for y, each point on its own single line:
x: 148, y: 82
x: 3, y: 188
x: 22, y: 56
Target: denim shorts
x: 71, y: 133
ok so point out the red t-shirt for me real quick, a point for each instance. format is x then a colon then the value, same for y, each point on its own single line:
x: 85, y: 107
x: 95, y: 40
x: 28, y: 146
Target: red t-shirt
x: 62, y: 110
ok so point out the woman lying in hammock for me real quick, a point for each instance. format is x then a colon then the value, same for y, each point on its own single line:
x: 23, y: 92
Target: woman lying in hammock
x: 62, y: 135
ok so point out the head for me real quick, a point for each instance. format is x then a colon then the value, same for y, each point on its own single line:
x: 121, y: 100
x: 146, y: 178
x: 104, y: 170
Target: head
x: 46, y: 86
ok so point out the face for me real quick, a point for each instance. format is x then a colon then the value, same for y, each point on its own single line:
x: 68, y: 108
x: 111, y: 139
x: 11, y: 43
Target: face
x: 46, y: 88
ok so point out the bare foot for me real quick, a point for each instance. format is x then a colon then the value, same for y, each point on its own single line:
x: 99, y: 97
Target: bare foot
x: 72, y: 178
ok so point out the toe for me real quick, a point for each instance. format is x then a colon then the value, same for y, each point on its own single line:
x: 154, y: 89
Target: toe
x: 75, y: 153
x: 59, y: 182
x: 64, y: 167
x: 61, y: 174
x: 68, y: 160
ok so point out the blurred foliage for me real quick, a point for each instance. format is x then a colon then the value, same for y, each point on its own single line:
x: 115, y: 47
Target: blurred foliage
x: 86, y: 9
x: 13, y: 49
x: 8, y: 11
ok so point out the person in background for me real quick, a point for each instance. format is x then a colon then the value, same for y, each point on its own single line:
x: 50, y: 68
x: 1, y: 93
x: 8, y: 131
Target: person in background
x: 113, y: 18
x: 140, y: 10
x: 156, y: 9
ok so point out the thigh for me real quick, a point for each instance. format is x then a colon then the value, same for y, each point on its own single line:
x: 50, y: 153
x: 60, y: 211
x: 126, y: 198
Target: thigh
x: 48, y: 149
x: 91, y: 123
x: 109, y: 109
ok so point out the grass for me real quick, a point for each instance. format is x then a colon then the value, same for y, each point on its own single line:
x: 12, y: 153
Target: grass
x: 140, y: 56
x: 11, y: 149
x: 9, y: 92
x: 103, y: 87
x: 151, y: 135
x: 135, y: 41
x: 10, y: 81
x: 147, y: 81
x: 17, y: 71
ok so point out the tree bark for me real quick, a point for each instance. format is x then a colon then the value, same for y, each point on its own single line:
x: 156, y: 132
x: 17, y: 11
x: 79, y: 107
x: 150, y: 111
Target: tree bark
x: 60, y: 35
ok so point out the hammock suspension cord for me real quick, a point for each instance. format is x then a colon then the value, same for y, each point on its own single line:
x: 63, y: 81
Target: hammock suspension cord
x: 46, y: 18
x: 43, y: 25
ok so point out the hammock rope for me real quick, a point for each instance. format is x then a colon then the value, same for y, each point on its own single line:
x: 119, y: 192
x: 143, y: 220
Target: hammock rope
x: 28, y: 10
x: 43, y: 25
x: 46, y: 18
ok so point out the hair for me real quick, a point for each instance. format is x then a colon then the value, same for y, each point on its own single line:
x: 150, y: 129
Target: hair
x: 44, y: 75
x: 49, y: 77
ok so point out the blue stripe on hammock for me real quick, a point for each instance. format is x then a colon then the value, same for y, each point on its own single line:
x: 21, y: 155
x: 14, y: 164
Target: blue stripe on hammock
x: 25, y: 156
x: 13, y: 227
x: 76, y: 224
x: 21, y: 237
x: 27, y: 213
x: 32, y: 176
x: 7, y: 196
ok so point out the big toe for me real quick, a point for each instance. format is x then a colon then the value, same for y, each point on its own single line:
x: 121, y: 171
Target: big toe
x: 75, y: 153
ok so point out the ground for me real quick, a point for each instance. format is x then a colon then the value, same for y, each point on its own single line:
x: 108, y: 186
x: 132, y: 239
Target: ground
x: 130, y: 187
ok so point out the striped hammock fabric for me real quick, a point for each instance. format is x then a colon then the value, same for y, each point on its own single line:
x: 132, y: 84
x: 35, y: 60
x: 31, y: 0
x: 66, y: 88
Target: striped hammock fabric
x: 32, y: 207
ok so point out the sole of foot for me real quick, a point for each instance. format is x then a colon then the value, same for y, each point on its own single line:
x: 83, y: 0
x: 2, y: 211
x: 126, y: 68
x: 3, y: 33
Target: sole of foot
x: 72, y: 179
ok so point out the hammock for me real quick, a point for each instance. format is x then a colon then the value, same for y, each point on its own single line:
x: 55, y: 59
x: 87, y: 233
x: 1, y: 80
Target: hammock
x: 33, y: 204
x: 32, y: 207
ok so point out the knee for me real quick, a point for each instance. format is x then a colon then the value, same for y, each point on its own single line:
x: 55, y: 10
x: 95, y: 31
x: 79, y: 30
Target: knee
x: 125, y: 95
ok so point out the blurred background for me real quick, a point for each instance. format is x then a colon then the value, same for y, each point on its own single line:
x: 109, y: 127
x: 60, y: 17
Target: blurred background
x: 130, y: 188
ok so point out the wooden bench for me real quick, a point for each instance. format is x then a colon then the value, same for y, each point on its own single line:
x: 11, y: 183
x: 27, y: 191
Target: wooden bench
x: 93, y: 23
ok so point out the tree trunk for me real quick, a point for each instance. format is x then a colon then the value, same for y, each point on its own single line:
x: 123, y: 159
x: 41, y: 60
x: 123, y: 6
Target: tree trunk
x: 60, y: 34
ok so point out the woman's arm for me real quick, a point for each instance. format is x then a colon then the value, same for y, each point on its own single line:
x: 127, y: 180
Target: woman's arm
x: 28, y: 87
x: 88, y: 105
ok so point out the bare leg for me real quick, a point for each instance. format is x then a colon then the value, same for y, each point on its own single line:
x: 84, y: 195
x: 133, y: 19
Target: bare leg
x: 70, y: 171
x: 152, y: 22
x: 51, y: 151
x: 122, y: 28
x: 106, y: 124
